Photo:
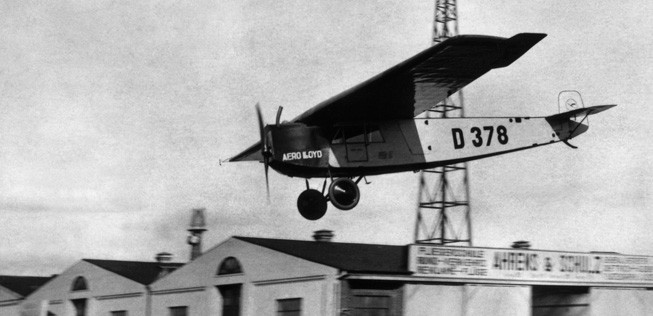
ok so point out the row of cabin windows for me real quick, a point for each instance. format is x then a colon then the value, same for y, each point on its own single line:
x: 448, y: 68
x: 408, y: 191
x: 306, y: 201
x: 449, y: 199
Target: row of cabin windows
x: 358, y: 134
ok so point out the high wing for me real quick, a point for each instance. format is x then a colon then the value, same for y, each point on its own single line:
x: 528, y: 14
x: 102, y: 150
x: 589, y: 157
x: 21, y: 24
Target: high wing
x: 419, y: 83
x: 415, y: 85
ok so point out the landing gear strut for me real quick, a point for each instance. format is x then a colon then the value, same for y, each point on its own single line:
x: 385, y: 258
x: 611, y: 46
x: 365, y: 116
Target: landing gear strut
x: 343, y: 194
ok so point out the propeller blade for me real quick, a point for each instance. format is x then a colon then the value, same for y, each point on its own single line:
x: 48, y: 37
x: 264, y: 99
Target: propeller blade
x: 264, y: 149
x: 267, y: 183
x: 261, y: 128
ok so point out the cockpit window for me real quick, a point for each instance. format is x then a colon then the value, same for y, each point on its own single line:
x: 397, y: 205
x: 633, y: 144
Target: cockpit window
x: 339, y: 137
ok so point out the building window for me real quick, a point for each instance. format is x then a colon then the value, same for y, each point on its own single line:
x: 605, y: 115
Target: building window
x: 289, y: 307
x: 119, y: 313
x: 229, y: 266
x: 230, y: 299
x: 371, y: 305
x: 178, y: 311
x: 79, y: 284
x: 80, y: 307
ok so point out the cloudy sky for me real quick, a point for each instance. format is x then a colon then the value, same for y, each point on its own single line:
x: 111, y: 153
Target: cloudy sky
x: 114, y: 115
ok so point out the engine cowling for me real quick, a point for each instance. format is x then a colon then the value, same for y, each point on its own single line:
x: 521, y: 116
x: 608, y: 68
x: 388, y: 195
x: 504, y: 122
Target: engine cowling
x: 344, y: 193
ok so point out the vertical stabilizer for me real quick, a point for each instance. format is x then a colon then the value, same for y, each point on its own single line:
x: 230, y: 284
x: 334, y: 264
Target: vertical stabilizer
x: 569, y: 100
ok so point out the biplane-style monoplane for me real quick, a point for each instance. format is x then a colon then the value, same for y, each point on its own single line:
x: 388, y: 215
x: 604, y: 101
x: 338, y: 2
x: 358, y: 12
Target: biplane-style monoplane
x: 376, y: 127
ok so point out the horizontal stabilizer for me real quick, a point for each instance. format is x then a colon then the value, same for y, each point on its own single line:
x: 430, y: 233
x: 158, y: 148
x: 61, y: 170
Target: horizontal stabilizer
x: 582, y: 112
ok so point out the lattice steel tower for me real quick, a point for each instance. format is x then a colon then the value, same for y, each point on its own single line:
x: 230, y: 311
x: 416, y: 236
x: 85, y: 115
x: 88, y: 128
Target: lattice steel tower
x: 443, y: 211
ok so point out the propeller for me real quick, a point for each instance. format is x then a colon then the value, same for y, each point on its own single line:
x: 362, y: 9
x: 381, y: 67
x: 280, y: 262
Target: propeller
x: 265, y: 149
x: 266, y: 152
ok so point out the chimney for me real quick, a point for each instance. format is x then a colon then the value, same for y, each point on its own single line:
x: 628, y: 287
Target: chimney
x: 521, y: 244
x: 323, y: 235
x: 196, y: 229
x: 164, y: 259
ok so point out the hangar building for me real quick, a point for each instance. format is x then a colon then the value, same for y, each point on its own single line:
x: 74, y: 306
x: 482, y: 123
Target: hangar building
x: 264, y: 276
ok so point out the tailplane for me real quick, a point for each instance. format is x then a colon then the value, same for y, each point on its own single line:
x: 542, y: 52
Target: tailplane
x: 574, y: 120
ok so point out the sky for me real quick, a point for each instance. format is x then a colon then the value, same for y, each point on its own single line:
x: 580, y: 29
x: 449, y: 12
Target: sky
x: 114, y: 116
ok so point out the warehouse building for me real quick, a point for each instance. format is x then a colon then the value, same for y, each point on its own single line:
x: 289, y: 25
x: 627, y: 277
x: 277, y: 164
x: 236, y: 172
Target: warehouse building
x: 261, y: 276
x: 264, y: 276
x: 99, y: 287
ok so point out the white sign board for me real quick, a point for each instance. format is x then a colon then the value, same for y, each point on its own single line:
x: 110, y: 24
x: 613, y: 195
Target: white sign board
x: 529, y: 266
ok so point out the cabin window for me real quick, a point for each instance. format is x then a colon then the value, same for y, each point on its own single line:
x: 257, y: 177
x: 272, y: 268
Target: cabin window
x: 358, y: 134
x: 119, y: 313
x: 339, y: 137
x: 79, y: 284
x: 355, y: 134
x: 230, y: 265
x: 289, y: 307
x: 374, y: 134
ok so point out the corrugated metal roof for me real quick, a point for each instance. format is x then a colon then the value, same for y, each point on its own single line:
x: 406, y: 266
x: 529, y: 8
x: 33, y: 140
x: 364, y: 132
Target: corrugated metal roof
x: 350, y: 257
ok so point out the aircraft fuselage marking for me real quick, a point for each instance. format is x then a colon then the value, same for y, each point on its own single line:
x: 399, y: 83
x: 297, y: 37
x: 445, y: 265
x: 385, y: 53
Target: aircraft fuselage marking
x: 310, y: 154
x: 477, y: 133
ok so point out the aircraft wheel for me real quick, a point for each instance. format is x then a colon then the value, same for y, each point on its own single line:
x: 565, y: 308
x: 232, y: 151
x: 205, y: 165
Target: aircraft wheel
x: 344, y: 193
x: 312, y: 205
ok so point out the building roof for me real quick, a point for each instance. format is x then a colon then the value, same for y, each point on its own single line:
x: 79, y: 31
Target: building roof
x: 350, y: 257
x: 142, y: 272
x: 23, y: 285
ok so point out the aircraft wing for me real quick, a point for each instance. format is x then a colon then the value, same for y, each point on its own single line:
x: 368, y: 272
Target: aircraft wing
x: 415, y: 85
x: 419, y: 83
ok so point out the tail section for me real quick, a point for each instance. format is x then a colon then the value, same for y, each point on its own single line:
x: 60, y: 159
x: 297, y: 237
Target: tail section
x: 574, y: 121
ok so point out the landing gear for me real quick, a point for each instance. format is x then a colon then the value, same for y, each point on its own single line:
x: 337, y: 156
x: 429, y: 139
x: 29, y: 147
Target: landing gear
x: 343, y: 194
x: 312, y: 204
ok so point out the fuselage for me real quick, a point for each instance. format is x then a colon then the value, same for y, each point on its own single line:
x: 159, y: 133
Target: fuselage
x: 372, y: 148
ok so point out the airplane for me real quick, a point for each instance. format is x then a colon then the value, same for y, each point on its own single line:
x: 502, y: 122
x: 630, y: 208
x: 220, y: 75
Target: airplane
x: 380, y: 126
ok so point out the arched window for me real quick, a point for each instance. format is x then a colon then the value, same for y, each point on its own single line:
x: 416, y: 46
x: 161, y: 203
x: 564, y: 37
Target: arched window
x: 230, y: 265
x: 79, y: 284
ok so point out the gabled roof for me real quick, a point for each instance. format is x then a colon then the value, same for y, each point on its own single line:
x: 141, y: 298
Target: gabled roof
x: 23, y: 285
x: 142, y: 272
x: 349, y: 257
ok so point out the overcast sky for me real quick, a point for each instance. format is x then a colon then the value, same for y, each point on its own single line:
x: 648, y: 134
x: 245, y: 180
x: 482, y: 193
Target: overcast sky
x: 114, y: 115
